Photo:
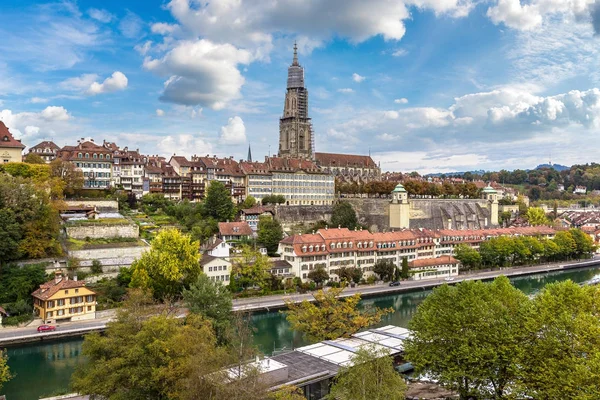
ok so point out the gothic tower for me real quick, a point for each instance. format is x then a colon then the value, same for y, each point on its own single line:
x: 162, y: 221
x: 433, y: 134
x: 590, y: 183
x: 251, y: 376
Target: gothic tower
x: 295, y: 128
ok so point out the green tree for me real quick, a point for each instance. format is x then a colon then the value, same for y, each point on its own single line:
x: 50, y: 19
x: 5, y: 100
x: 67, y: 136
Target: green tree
x: 96, y: 267
x: 583, y: 242
x: 385, y: 269
x: 212, y: 301
x: 69, y: 174
x: 330, y: 317
x: 269, y: 234
x: 536, y: 216
x: 371, y: 377
x: 250, y: 268
x: 405, y: 273
x: 468, y: 256
x: 146, y: 353
x: 563, y: 329
x: 5, y: 374
x: 32, y: 158
x: 468, y: 337
x: 10, y: 236
x: 171, y: 263
x: 343, y: 215
x: 505, y: 217
x: 566, y: 244
x: 218, y: 204
x: 318, y: 275
x: 248, y: 202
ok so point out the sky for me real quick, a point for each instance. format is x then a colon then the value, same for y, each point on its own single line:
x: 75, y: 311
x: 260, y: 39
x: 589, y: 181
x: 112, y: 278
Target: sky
x: 423, y: 85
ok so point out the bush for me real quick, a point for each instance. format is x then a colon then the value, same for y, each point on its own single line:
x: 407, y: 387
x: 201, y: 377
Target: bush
x: 16, y: 320
x: 96, y: 267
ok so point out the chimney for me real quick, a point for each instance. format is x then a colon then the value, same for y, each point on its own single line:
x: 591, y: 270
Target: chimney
x: 57, y: 276
x: 75, y: 278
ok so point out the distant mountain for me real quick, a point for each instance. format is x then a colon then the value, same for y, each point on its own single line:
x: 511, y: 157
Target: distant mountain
x: 438, y: 174
x: 557, y: 167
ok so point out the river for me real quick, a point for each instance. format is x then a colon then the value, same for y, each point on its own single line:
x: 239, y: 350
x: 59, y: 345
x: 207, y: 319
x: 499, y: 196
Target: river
x: 45, y: 368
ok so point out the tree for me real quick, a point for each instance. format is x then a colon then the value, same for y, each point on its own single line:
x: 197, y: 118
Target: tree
x: 212, y: 301
x: 171, y: 263
x: 566, y: 244
x: 350, y: 274
x: 218, y: 204
x: 468, y: 337
x: 146, y: 353
x: 250, y: 268
x: 385, y: 269
x: 32, y: 158
x: 318, y: 275
x: 468, y: 256
x: 96, y: 267
x: 405, y: 272
x: 10, y: 235
x: 69, y: 174
x: 270, y: 233
x: 371, y: 377
x: 248, y: 202
x: 536, y: 216
x: 330, y: 317
x: 5, y: 374
x: 563, y: 328
x: 343, y: 215
x: 584, y: 244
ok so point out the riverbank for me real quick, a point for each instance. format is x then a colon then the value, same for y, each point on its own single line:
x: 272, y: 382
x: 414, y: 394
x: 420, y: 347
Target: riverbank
x: 16, y: 336
x: 276, y: 302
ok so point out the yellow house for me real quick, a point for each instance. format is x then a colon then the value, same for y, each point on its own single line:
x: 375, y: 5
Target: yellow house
x: 11, y: 149
x: 64, y: 299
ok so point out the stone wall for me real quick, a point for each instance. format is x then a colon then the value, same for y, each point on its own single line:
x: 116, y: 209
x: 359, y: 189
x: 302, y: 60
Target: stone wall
x: 290, y: 215
x: 100, y: 204
x: 99, y: 231
x: 125, y: 254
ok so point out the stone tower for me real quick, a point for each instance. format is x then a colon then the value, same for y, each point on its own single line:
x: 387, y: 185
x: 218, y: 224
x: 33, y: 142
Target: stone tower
x: 491, y: 195
x: 295, y: 129
x: 399, y: 208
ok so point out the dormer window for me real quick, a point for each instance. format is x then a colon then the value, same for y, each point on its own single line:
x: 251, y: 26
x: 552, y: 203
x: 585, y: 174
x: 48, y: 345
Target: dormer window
x: 87, y: 155
x: 323, y: 247
x: 339, y: 245
x: 304, y: 249
x: 332, y: 245
x: 95, y: 156
x: 101, y: 156
x: 359, y: 245
x: 79, y: 155
x: 5, y: 138
x: 310, y: 248
x: 371, y: 244
x: 107, y: 156
x: 345, y: 245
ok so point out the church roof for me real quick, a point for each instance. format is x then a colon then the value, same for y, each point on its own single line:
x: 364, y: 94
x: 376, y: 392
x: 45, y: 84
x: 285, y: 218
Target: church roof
x: 344, y: 160
x: 7, y: 139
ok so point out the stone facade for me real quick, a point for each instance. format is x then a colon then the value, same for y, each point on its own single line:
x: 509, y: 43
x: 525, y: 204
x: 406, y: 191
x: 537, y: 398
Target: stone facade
x: 99, y: 231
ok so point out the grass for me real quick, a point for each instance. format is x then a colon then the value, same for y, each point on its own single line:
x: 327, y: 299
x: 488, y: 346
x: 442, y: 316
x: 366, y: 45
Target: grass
x: 77, y: 244
x: 106, y: 221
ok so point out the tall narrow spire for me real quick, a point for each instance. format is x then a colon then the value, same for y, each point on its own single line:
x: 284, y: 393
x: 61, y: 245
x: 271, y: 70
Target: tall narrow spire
x: 249, y: 154
x: 295, y: 62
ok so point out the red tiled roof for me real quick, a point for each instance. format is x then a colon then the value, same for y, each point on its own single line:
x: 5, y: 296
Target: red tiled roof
x: 255, y: 168
x: 46, y: 144
x: 431, y: 262
x: 7, y: 139
x: 292, y: 165
x: 258, y: 210
x: 181, y: 161
x: 234, y: 229
x: 344, y: 160
x: 48, y: 289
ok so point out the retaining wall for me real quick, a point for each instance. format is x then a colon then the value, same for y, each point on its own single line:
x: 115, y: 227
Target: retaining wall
x: 100, y: 231
x: 100, y: 204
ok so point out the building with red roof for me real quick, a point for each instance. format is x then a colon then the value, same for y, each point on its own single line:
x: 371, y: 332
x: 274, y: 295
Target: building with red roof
x: 11, y: 149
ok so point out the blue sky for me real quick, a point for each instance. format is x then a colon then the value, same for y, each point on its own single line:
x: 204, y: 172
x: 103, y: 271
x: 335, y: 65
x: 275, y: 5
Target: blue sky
x: 426, y: 85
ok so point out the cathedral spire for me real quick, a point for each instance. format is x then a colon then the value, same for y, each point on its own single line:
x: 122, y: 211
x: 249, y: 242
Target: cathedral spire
x: 295, y: 62
x: 249, y: 154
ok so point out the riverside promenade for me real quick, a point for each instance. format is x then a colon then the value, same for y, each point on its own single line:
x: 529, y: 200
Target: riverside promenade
x: 10, y: 336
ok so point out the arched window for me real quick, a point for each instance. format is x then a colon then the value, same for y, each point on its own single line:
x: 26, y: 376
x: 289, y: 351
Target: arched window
x: 310, y: 248
x: 79, y: 155
x: 332, y: 245
x: 365, y: 245
x: 345, y: 244
x: 95, y: 155
x: 294, y: 104
x: 323, y: 247
x: 350, y: 244
x: 339, y: 245
x: 87, y: 155
x: 359, y: 245
x: 371, y: 244
x: 304, y: 249
x: 107, y: 156
x: 101, y: 156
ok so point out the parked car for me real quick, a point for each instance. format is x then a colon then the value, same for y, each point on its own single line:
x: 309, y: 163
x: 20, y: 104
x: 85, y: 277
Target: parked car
x: 46, y: 328
x: 449, y: 279
x: 395, y: 283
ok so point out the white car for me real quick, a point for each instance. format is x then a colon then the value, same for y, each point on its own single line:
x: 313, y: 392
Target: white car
x: 449, y: 279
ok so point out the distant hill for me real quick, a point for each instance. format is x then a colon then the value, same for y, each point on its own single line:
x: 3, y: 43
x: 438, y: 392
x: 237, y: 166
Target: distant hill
x: 557, y: 167
x: 438, y: 174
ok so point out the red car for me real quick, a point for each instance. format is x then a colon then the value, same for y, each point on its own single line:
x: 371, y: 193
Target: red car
x: 46, y: 328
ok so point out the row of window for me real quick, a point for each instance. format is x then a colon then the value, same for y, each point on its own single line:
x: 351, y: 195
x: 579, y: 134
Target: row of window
x: 222, y: 278
x: 99, y: 156
x: 97, y: 174
x: 218, y: 268
x: 72, y: 300
x: 72, y: 310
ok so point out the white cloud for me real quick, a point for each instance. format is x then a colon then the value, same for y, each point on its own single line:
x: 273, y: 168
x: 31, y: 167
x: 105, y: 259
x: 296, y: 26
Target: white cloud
x: 387, y: 137
x: 391, y: 114
x: 346, y: 90
x: 143, y: 49
x: 78, y: 83
x: 401, y: 101
x: 163, y: 28
x: 54, y: 113
x: 159, y: 112
x: 234, y: 132
x: 100, y: 15
x: 131, y: 25
x: 184, y: 144
x: 117, y: 81
x: 514, y: 15
x: 400, y: 53
x: 357, y: 78
x: 38, y: 100
x: 31, y: 127
x: 201, y: 73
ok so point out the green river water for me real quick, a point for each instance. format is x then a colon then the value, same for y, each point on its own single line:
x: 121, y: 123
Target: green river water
x: 45, y: 369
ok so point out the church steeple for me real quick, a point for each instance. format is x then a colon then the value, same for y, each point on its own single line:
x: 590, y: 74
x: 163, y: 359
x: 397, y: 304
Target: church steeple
x: 249, y: 154
x: 295, y: 61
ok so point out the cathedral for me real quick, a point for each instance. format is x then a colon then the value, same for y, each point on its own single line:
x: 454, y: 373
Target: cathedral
x: 296, y: 136
x: 295, y: 128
